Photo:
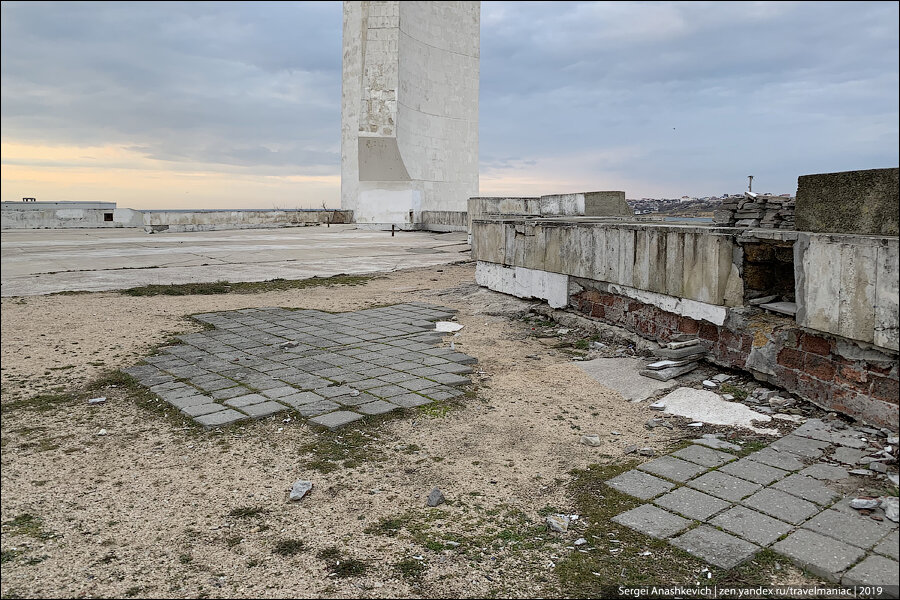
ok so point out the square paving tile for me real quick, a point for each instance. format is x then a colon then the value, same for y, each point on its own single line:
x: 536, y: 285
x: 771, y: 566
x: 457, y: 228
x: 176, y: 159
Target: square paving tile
x: 818, y: 554
x: 751, y: 525
x: 242, y: 401
x: 873, y: 571
x: 889, y: 546
x: 754, y: 471
x: 826, y: 472
x: 336, y: 419
x: 672, y: 468
x: 378, y: 407
x: 652, y: 521
x: 715, y: 547
x: 692, y: 503
x: 640, y: 485
x: 779, y: 460
x: 223, y: 417
x: 781, y: 505
x: 724, y: 486
x: 800, y: 446
x: 264, y: 409
x: 854, y: 529
x: 704, y: 456
x: 807, y: 488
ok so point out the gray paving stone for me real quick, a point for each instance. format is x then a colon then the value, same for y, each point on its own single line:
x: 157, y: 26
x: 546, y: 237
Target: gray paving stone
x: 300, y: 399
x: 379, y: 407
x: 847, y: 456
x: 704, y: 456
x: 231, y: 392
x: 457, y: 368
x: 807, y: 488
x: 264, y: 409
x: 781, y: 505
x: 824, y: 556
x: 333, y: 391
x: 201, y: 409
x: 853, y: 529
x: 873, y: 571
x: 280, y: 392
x: 350, y: 400
x: 715, y: 443
x: 223, y: 417
x: 754, y: 471
x: 715, y: 547
x: 388, y: 391
x: 320, y: 407
x: 691, y: 503
x: 672, y: 468
x: 639, y: 484
x: 337, y: 419
x: 450, y: 379
x: 409, y: 400
x: 826, y: 472
x: 248, y: 400
x: 889, y: 546
x: 652, y: 521
x: 186, y: 401
x: 417, y: 384
x: 780, y: 460
x: 724, y: 486
x: 751, y: 525
x: 800, y: 446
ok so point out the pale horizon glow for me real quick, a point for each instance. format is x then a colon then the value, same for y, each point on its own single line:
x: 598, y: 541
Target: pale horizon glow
x: 237, y: 105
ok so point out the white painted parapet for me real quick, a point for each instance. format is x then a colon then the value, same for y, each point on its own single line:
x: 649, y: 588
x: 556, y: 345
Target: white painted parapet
x: 848, y: 285
x: 409, y: 109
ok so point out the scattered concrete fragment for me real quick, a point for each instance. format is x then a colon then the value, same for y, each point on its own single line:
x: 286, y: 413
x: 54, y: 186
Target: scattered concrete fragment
x: 710, y: 384
x: 666, y: 364
x: 435, y: 497
x: 709, y: 407
x: 721, y: 378
x: 647, y: 451
x: 712, y: 441
x: 862, y: 472
x: 99, y: 400
x: 300, y: 488
x: 683, y: 344
x: 558, y: 523
x: 657, y: 422
x: 864, y: 503
x: 590, y: 440
x: 447, y: 326
x: 891, y: 506
x: 659, y: 405
x: 579, y: 542
x: 670, y: 373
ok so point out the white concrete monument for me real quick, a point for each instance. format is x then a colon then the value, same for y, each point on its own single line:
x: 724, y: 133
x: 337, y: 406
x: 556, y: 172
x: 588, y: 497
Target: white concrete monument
x: 409, y: 110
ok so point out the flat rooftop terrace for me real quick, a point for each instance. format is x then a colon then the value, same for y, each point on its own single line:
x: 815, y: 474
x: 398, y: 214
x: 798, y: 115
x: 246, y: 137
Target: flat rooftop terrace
x: 46, y: 261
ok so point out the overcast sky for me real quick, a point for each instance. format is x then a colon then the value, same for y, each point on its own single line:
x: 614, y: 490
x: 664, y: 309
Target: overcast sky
x: 170, y: 105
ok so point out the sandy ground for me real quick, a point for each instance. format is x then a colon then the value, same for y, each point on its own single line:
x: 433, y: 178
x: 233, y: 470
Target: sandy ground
x: 144, y: 510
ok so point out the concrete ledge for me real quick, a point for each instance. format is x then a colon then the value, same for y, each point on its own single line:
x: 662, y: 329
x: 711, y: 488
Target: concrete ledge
x: 524, y: 283
x: 862, y: 202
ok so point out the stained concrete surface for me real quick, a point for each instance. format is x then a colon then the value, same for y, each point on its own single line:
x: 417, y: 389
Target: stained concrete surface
x: 623, y: 375
x: 39, y: 262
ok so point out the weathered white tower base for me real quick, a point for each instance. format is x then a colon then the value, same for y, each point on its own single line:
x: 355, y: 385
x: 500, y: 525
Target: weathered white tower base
x: 409, y: 110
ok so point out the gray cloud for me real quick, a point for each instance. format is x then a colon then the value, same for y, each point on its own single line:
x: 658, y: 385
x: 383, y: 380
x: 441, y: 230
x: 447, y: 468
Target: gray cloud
x: 689, y: 96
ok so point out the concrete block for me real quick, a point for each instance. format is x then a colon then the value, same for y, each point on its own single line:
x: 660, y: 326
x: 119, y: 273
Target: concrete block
x: 652, y: 521
x: 821, y: 555
x: 724, y: 486
x: 715, y: 547
x: 751, y: 525
x: 854, y: 529
x: 692, y: 504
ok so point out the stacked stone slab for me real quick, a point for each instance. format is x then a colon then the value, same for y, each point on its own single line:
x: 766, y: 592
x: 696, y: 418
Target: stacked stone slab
x: 756, y: 210
x: 676, y: 358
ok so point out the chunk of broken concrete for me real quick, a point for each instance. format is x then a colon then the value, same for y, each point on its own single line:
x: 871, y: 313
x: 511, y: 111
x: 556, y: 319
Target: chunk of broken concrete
x: 864, y: 503
x: 891, y: 506
x: 558, y: 523
x: 670, y: 373
x: 647, y: 452
x: 657, y: 422
x: 683, y: 344
x: 720, y: 378
x: 447, y: 326
x: 300, y: 488
x: 658, y: 405
x: 99, y: 400
x: 710, y: 384
x: 435, y: 497
x: 590, y: 440
x: 286, y: 345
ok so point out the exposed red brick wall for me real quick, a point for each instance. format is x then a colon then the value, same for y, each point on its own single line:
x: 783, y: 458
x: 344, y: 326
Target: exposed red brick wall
x: 804, y: 363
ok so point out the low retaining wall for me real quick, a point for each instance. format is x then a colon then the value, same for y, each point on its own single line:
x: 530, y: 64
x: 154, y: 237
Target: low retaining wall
x: 831, y: 372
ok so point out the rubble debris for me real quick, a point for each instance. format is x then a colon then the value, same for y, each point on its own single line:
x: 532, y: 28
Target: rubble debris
x: 756, y: 210
x: 436, y: 497
x: 864, y: 503
x: 709, y: 407
x: 647, y: 452
x: 683, y: 344
x: 670, y: 373
x: 300, y: 488
x: 590, y: 440
x: 99, y: 400
x: 891, y: 506
x: 558, y: 523
x: 658, y: 405
x: 447, y: 326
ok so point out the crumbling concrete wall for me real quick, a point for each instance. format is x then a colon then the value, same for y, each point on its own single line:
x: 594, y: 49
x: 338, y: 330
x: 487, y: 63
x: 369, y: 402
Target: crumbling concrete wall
x: 215, y: 220
x: 863, y: 202
x: 63, y: 215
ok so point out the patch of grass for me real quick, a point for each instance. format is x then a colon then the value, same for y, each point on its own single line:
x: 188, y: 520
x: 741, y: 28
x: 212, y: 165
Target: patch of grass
x: 9, y: 555
x: 329, y: 451
x: 30, y: 525
x: 410, y: 569
x: 185, y: 559
x: 248, y: 287
x: 232, y: 540
x: 387, y: 526
x: 289, y: 547
x: 738, y: 392
x: 39, y: 403
x: 133, y: 591
x: 582, y: 344
x: 338, y: 565
x: 247, y: 512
